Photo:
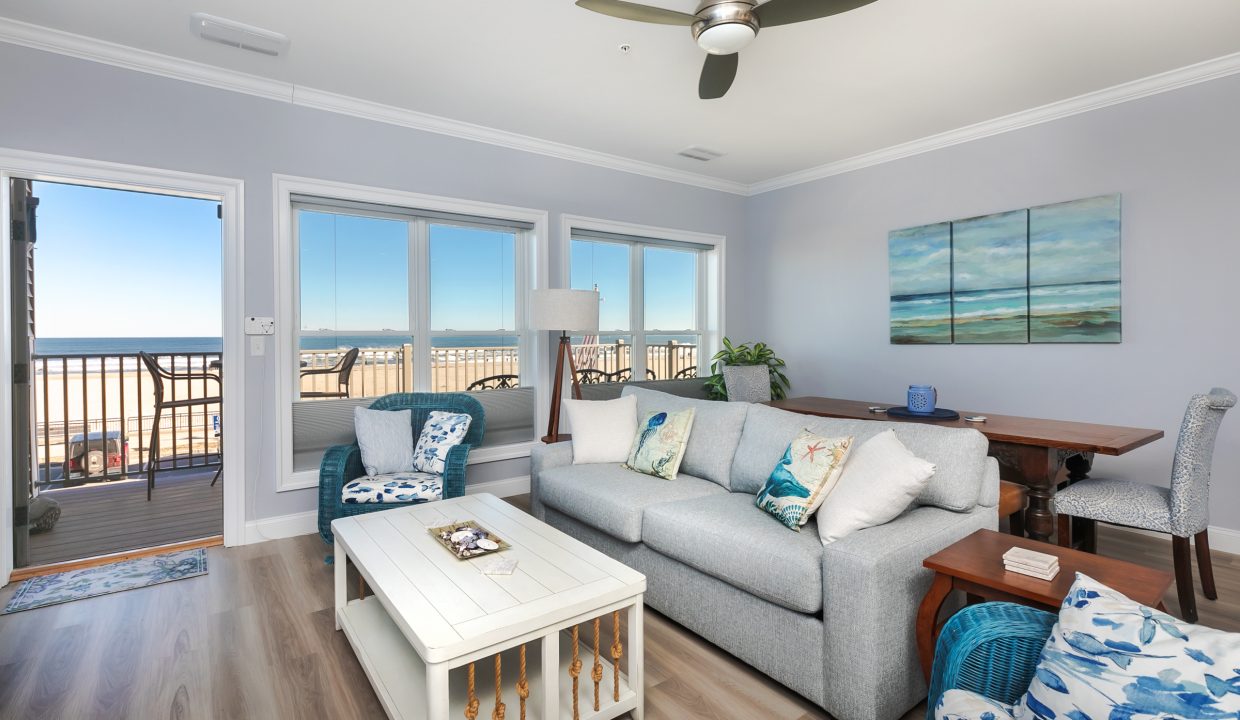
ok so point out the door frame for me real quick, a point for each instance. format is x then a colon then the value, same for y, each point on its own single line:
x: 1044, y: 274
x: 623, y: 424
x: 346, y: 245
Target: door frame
x: 230, y: 193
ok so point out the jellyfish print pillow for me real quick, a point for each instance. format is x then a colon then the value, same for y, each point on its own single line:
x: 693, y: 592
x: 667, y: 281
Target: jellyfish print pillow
x: 660, y: 443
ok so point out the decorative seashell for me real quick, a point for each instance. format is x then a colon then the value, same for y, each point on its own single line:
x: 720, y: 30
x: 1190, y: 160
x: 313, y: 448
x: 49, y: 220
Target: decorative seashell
x: 461, y: 535
x: 488, y: 544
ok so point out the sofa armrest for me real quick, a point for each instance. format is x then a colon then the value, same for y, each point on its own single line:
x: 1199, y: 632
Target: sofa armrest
x: 542, y: 458
x: 873, y: 583
x: 988, y: 496
x: 991, y: 649
x: 454, y: 470
x: 340, y: 464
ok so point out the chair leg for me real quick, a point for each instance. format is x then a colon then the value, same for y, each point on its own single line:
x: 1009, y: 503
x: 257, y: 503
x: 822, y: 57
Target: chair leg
x: 1202, y: 541
x: 1182, y: 554
x: 1064, y: 524
x: 152, y: 457
x: 1016, y: 523
x: 1089, y: 534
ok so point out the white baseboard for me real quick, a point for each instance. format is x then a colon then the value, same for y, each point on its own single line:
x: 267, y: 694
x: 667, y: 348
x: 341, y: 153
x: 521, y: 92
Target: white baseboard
x: 307, y: 523
x: 282, y: 526
x: 1221, y: 539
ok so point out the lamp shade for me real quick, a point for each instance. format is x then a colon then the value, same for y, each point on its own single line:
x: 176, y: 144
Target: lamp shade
x: 572, y: 311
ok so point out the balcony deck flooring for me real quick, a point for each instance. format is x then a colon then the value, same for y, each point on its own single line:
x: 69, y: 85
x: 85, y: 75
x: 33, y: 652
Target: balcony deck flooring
x: 115, y: 517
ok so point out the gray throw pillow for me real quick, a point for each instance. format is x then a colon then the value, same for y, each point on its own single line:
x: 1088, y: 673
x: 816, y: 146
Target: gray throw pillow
x: 386, y: 440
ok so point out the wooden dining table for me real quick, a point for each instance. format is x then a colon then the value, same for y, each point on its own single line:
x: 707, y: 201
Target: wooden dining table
x: 1031, y: 451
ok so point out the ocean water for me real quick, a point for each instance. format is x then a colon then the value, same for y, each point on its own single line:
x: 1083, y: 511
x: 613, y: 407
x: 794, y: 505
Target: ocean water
x: 1048, y: 313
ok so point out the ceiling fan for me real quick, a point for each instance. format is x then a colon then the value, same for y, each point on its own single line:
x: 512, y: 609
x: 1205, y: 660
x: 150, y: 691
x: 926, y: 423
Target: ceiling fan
x: 723, y: 27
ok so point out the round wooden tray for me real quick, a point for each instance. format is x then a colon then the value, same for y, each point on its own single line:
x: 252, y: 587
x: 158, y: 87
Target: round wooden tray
x: 938, y: 414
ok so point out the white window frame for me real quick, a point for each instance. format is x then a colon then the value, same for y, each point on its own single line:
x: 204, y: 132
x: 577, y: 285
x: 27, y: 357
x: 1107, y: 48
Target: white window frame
x: 710, y: 282
x: 530, y: 266
x: 230, y: 193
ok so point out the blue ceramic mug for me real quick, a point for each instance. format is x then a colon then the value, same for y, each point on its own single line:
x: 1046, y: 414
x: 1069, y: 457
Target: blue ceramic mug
x: 922, y: 398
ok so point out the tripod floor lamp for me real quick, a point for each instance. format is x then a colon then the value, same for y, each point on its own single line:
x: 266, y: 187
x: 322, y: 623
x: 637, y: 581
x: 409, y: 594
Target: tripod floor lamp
x: 568, y: 311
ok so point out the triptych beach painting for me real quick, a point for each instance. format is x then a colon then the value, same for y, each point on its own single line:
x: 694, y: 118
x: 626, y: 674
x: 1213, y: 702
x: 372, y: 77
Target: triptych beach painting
x: 1048, y: 274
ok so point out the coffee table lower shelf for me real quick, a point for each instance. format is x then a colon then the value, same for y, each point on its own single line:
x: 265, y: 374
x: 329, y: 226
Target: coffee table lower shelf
x: 398, y: 674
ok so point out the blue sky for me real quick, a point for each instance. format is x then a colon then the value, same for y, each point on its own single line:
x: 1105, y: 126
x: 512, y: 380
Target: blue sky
x: 111, y: 263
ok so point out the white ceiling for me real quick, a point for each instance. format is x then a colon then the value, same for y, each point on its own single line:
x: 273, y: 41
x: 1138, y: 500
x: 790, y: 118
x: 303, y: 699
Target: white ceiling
x: 806, y: 95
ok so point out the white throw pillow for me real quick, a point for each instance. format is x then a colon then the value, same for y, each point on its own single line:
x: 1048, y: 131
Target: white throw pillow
x: 881, y: 478
x: 602, y: 430
x: 386, y: 440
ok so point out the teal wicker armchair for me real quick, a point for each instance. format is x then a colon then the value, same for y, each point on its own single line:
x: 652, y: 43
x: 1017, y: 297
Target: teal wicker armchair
x: 343, y: 463
x: 991, y: 649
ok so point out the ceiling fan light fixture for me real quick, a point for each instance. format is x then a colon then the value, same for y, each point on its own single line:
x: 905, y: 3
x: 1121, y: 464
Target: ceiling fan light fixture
x: 726, y: 38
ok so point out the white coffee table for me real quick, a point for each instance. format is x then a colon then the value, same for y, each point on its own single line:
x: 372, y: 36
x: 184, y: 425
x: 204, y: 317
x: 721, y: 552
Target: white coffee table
x: 432, y: 615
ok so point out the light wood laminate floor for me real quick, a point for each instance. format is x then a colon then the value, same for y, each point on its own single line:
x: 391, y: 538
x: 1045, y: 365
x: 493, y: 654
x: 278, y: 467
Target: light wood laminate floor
x: 255, y: 639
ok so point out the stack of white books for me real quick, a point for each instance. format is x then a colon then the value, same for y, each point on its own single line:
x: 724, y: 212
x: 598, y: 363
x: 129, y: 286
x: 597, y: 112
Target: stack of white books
x: 1031, y: 563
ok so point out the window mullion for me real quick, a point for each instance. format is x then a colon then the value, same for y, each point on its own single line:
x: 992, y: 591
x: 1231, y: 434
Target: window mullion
x: 637, y: 309
x: 419, y: 304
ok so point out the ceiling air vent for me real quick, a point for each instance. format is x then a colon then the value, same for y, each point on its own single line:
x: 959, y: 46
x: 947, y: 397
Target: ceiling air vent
x: 238, y: 35
x: 699, y: 153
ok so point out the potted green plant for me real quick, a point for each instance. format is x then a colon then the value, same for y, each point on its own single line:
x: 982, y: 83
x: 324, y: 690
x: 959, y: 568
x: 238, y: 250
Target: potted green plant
x: 757, y: 353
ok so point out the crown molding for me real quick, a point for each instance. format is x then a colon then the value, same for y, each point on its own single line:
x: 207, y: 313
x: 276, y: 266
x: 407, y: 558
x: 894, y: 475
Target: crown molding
x: 392, y: 115
x: 1144, y: 87
x: 122, y: 56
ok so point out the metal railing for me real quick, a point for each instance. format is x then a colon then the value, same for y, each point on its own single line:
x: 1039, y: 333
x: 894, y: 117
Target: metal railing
x: 103, y: 405
x: 382, y: 370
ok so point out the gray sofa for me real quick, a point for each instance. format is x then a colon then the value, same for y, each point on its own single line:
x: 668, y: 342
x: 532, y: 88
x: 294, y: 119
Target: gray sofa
x: 834, y: 623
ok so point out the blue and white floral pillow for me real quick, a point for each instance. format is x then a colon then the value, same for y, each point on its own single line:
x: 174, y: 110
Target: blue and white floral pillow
x: 1109, y: 658
x: 442, y: 432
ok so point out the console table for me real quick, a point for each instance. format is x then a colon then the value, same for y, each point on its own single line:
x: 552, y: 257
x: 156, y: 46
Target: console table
x: 1030, y: 451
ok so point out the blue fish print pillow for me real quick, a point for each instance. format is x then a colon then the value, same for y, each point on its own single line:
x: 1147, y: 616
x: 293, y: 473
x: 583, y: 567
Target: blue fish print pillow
x: 442, y: 432
x: 1109, y: 658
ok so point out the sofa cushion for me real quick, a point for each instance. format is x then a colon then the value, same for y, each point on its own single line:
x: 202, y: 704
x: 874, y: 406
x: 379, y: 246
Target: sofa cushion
x: 716, y: 432
x: 959, y: 454
x: 726, y: 537
x: 611, y: 498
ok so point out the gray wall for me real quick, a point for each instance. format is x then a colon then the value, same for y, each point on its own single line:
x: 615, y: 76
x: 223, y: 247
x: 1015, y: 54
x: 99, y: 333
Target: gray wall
x: 816, y: 277
x: 60, y: 105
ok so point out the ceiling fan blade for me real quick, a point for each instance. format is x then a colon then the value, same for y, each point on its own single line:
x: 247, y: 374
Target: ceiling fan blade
x: 717, y: 75
x: 786, y: 12
x: 640, y: 13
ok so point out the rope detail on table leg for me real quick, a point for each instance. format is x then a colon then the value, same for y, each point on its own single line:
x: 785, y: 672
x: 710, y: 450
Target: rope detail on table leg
x: 596, y: 672
x: 617, y: 650
x: 523, y: 685
x: 498, y: 712
x: 574, y: 669
x: 471, y: 707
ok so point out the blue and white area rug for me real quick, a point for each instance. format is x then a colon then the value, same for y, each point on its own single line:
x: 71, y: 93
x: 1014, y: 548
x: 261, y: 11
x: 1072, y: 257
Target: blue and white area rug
x: 115, y: 577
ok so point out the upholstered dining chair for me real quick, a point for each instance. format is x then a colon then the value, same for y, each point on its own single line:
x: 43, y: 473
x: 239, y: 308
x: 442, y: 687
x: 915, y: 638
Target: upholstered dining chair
x: 1181, y: 510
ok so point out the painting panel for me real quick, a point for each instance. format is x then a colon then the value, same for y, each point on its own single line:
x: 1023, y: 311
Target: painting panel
x: 920, y: 262
x: 990, y: 298
x: 1074, y: 271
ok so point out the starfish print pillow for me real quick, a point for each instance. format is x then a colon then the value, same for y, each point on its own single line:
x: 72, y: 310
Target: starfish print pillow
x: 803, y: 477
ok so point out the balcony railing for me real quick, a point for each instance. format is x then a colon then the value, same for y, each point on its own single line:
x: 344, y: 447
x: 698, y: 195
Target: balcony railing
x: 382, y: 370
x: 102, y: 405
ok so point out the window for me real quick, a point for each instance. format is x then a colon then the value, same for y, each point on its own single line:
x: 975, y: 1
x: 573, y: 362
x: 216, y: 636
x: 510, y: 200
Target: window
x: 651, y: 308
x: 390, y: 300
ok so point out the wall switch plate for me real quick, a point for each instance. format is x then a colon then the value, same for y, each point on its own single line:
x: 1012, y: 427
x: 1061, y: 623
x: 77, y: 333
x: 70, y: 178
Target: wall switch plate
x: 260, y: 326
x: 258, y: 345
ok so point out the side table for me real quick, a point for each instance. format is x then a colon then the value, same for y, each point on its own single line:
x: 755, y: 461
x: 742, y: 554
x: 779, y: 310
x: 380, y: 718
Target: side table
x: 974, y: 566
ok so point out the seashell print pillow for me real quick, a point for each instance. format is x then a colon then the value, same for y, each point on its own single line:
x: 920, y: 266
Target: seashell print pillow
x: 803, y: 477
x: 660, y: 443
x: 1110, y: 657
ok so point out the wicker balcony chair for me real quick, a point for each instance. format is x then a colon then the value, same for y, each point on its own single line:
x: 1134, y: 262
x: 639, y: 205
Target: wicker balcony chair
x: 991, y: 649
x: 343, y: 463
x: 342, y: 370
